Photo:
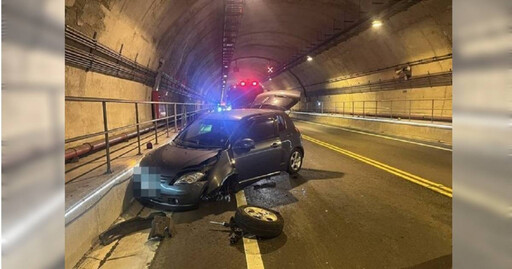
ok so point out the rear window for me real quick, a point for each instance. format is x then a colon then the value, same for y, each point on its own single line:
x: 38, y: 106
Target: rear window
x: 281, y: 123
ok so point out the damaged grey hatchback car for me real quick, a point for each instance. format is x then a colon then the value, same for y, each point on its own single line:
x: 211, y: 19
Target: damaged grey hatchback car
x: 222, y: 152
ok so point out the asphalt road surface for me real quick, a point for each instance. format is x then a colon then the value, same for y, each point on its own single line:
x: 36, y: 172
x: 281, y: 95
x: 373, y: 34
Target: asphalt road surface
x: 348, y: 208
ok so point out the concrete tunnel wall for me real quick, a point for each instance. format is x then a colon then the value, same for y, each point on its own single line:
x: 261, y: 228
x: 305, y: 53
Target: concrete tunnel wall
x: 187, y: 35
x: 421, y: 32
x: 147, y: 31
x: 113, y: 27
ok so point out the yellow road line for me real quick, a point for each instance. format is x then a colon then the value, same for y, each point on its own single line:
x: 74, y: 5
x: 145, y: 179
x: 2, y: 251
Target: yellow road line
x: 251, y: 247
x: 439, y: 188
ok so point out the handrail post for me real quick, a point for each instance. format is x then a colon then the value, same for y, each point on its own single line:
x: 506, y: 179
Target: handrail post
x: 353, y: 109
x: 391, y: 109
x: 376, y: 110
x: 105, y: 128
x: 410, y: 108
x: 156, y: 130
x: 167, y: 119
x: 432, y: 113
x: 364, y: 112
x: 183, y: 115
x: 175, y: 118
x: 343, y: 113
x: 138, y: 127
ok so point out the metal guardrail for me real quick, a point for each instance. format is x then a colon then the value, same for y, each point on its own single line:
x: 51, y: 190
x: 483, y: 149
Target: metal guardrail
x: 411, y: 109
x: 174, y: 118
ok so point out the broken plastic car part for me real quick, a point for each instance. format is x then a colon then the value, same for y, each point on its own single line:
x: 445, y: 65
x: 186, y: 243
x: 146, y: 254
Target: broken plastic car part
x: 157, y: 221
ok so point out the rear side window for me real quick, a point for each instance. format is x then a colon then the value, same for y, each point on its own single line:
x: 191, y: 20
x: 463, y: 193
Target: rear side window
x: 289, y: 123
x: 262, y: 129
x: 281, y: 124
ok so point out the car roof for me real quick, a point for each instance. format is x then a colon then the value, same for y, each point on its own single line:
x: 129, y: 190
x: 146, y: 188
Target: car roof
x: 239, y: 114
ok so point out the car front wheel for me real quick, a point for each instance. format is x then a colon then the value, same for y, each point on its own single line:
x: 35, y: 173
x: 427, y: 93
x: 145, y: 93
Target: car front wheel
x: 295, y: 162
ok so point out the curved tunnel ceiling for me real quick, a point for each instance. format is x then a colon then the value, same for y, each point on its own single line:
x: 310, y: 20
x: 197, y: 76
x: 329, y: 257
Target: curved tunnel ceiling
x: 188, y: 34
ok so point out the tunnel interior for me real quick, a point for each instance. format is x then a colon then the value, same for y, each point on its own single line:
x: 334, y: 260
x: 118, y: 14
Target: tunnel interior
x: 203, y: 45
x: 374, y: 116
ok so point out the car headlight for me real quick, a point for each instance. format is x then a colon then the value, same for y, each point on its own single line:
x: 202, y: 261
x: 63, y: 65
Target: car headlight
x: 189, y: 178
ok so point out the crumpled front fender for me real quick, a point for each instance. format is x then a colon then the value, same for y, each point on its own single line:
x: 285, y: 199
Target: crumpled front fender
x: 222, y: 170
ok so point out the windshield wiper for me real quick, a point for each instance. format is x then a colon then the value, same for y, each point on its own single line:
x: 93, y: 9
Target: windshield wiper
x: 179, y: 142
x: 194, y: 142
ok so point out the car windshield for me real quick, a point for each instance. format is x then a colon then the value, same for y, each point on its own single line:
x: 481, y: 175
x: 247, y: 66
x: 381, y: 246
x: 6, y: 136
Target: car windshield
x: 207, y: 133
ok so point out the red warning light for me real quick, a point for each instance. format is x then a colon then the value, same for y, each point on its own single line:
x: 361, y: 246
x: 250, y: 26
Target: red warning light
x: 254, y: 83
x: 242, y: 83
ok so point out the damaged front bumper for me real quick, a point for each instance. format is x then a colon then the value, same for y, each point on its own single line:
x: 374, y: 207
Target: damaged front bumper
x: 178, y: 197
x: 151, y: 190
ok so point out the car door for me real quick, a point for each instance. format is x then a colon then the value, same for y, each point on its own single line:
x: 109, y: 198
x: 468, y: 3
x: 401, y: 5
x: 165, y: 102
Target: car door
x: 265, y: 157
x: 286, y: 140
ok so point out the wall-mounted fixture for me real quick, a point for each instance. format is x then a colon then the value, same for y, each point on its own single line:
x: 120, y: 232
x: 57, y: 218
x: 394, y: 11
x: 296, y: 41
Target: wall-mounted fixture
x: 376, y: 24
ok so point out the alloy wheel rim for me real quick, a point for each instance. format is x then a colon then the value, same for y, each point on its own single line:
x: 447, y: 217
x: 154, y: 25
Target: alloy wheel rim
x: 296, y: 160
x: 261, y: 214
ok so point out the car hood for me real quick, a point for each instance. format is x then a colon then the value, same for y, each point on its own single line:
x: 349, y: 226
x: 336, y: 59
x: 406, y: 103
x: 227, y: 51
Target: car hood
x: 171, y: 159
x: 284, y: 100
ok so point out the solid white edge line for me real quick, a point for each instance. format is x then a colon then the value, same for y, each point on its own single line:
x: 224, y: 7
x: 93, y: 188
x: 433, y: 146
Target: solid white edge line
x: 380, y: 136
x: 251, y: 247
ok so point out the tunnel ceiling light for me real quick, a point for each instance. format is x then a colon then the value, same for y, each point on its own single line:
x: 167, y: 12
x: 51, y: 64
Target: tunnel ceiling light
x: 376, y: 24
x: 270, y: 79
x: 309, y: 58
x: 254, y: 83
x: 225, y: 76
x: 242, y: 83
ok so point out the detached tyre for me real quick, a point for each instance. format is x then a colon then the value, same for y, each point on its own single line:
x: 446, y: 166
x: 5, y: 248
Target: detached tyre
x: 262, y: 222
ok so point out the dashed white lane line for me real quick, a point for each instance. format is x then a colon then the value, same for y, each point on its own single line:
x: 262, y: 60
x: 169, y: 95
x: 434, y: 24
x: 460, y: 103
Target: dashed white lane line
x: 251, y: 247
x: 380, y: 136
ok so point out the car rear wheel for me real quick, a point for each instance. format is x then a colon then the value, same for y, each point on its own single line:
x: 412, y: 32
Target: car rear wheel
x: 259, y: 221
x: 295, y: 162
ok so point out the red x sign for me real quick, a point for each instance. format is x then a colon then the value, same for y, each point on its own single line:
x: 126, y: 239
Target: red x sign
x: 270, y: 69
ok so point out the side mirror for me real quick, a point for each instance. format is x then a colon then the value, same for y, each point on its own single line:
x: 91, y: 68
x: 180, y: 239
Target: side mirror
x: 245, y: 143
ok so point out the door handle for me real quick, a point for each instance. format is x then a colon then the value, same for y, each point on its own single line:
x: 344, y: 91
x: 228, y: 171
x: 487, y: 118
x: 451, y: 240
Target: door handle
x: 275, y: 144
